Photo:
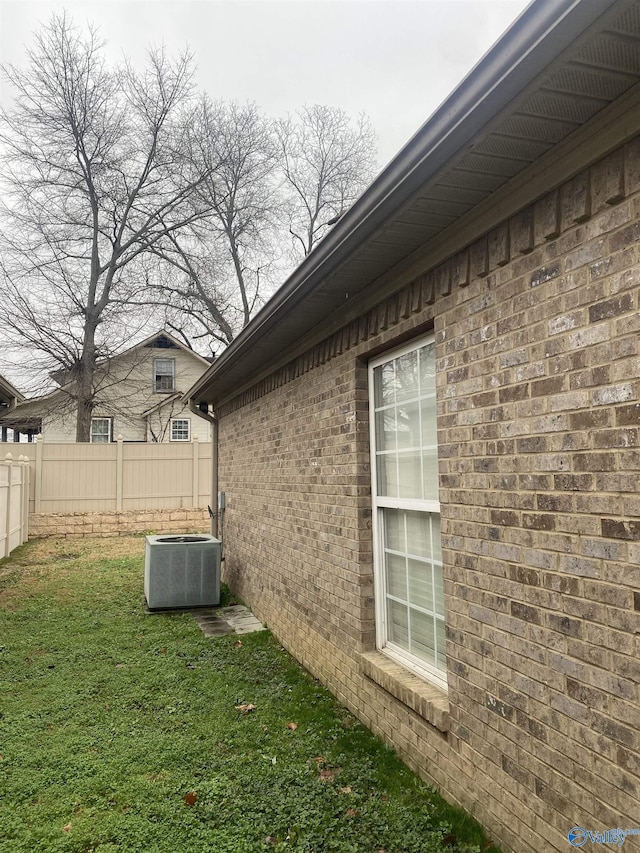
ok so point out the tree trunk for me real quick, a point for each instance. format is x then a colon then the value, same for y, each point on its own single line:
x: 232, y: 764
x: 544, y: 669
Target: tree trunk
x: 84, y: 396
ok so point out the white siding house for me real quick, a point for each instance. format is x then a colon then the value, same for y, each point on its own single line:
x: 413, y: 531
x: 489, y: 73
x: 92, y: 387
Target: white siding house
x: 138, y: 395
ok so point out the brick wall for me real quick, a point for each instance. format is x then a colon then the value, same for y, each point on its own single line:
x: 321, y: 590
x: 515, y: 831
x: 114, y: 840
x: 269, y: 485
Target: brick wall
x: 537, y: 332
x: 120, y: 523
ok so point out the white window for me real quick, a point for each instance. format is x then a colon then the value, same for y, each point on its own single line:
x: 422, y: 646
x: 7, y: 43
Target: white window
x: 100, y: 430
x: 164, y: 374
x: 180, y: 429
x: 410, y: 623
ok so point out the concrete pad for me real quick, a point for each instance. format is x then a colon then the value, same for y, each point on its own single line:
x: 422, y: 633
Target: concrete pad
x: 221, y: 630
x: 220, y: 621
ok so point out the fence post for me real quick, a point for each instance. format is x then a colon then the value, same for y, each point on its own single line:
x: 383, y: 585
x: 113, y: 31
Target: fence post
x: 195, y: 481
x: 119, y: 464
x: 8, y: 460
x: 38, y: 483
x: 26, y: 475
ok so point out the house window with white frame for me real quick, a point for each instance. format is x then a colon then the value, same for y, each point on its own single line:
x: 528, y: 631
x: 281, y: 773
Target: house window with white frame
x: 180, y: 429
x: 164, y: 374
x: 410, y: 621
x: 100, y: 430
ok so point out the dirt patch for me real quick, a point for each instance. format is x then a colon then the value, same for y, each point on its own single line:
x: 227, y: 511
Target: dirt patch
x: 48, y: 563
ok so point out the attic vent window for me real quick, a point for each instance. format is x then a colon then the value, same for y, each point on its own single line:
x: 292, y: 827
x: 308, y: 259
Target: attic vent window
x: 163, y: 343
x: 164, y: 374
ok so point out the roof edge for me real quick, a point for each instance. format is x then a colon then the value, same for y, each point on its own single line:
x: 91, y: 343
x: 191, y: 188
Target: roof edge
x: 10, y: 389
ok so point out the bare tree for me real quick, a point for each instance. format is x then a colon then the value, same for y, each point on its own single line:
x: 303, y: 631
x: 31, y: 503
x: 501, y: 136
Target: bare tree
x: 304, y: 172
x: 98, y: 169
x: 221, y: 265
x: 327, y: 161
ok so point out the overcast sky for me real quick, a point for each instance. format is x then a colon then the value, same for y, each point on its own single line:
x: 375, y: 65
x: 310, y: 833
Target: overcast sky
x: 395, y: 60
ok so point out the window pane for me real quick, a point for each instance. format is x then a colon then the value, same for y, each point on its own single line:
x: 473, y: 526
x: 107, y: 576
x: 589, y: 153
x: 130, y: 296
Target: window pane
x: 420, y: 584
x: 394, y: 530
x: 429, y: 424
x: 397, y: 576
x: 386, y: 429
x: 408, y: 426
x: 438, y: 589
x: 407, y: 382
x: 430, y: 463
x: 422, y: 636
x: 418, y: 534
x: 384, y: 384
x: 435, y: 534
x: 427, y: 369
x: 398, y: 624
x: 409, y: 474
x: 387, y: 472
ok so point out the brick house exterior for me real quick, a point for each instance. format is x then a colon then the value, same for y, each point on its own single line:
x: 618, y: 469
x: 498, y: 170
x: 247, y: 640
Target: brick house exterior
x: 514, y: 314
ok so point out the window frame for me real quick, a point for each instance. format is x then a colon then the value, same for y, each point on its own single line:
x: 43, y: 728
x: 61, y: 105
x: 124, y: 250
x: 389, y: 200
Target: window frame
x: 157, y: 378
x: 109, y: 422
x: 183, y: 420
x: 420, y: 667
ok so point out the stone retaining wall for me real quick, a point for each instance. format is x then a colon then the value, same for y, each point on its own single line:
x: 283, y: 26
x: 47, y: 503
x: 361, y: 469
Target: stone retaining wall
x: 120, y: 523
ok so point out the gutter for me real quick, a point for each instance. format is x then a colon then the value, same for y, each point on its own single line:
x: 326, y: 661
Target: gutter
x: 538, y: 38
x: 205, y: 415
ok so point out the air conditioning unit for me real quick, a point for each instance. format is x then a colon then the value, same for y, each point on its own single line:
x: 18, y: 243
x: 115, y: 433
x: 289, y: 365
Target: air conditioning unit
x: 182, y: 571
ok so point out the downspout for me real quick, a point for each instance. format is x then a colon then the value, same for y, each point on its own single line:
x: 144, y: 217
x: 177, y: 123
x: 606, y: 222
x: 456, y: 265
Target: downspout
x: 202, y: 411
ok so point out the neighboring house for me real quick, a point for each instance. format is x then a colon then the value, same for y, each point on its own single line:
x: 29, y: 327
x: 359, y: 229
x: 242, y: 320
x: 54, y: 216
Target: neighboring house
x: 9, y: 395
x: 9, y: 398
x: 429, y: 440
x: 139, y: 395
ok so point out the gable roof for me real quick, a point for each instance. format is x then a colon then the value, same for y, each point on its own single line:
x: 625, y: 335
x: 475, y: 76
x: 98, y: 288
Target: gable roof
x: 162, y: 339
x: 165, y: 340
x: 164, y: 401
x: 560, y: 68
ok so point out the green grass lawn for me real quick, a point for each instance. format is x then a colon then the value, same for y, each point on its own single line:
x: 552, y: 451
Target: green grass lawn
x: 124, y: 731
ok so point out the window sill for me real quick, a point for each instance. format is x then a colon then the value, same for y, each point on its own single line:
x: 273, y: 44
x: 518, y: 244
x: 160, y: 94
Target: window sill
x: 427, y: 700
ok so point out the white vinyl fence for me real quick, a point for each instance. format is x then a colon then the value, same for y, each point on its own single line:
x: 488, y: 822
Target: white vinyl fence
x: 71, y: 478
x: 14, y: 502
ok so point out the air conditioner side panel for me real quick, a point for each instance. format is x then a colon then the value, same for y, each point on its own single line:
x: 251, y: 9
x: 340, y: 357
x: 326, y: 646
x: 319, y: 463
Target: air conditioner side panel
x: 182, y: 575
